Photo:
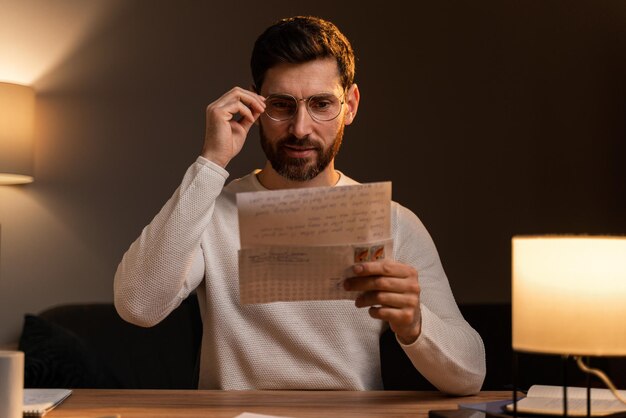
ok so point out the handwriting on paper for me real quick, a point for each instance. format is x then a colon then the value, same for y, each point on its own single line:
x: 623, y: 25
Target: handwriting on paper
x: 320, y: 216
x: 270, y: 274
x: 300, y: 244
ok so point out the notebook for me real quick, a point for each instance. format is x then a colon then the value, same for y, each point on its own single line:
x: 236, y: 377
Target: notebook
x: 37, y: 402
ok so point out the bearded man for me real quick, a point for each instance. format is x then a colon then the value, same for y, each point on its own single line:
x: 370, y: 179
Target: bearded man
x: 303, y: 97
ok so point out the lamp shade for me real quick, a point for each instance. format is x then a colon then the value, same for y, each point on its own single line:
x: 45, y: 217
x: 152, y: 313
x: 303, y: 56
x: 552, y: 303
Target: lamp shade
x: 569, y: 295
x: 17, y: 109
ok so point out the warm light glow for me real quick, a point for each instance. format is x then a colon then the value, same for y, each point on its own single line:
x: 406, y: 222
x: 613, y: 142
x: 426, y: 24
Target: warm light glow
x: 17, y: 108
x: 569, y: 295
x: 38, y: 35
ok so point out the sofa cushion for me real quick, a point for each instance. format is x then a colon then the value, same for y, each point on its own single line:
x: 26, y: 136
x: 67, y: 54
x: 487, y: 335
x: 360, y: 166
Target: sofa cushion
x: 58, y: 358
x: 93, y: 340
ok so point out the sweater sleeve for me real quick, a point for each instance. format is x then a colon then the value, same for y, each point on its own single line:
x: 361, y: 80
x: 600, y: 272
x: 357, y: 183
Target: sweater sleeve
x: 165, y: 263
x: 448, y: 352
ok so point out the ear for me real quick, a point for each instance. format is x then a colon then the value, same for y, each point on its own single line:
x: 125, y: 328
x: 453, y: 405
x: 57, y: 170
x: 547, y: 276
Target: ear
x: 352, y: 103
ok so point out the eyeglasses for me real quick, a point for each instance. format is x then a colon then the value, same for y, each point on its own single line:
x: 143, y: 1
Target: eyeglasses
x: 321, y: 107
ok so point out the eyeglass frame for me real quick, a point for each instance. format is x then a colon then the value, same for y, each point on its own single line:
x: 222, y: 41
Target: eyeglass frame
x: 341, y: 99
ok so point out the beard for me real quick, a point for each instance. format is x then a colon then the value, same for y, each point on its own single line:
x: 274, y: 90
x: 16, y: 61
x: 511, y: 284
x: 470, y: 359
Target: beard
x: 299, y: 169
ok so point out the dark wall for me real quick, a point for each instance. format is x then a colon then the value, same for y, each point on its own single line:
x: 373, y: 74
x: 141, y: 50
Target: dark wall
x: 495, y: 119
x: 491, y: 118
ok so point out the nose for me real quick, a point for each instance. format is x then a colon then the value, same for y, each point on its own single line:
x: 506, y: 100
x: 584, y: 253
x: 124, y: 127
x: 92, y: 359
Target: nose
x: 301, y: 124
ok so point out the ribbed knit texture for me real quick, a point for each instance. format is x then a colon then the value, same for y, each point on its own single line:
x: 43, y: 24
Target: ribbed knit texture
x: 192, y: 244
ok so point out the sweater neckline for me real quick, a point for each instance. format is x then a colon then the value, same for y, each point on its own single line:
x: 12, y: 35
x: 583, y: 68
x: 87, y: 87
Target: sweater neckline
x: 343, y: 180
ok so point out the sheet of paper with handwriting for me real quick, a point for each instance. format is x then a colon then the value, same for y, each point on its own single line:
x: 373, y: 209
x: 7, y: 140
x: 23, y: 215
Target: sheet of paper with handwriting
x: 300, y: 244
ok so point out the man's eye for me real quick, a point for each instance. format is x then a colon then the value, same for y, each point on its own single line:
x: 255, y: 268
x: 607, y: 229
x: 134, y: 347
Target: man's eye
x: 282, y: 104
x: 321, y: 104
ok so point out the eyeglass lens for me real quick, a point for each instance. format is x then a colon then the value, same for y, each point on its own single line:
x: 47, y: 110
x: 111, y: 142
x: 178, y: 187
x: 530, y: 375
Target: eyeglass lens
x: 322, y: 107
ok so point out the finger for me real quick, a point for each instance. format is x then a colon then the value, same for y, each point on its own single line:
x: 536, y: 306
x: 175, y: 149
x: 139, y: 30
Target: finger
x: 231, y: 101
x: 382, y: 283
x: 396, y: 317
x: 226, y: 111
x: 247, y: 97
x: 247, y: 117
x: 383, y: 268
x: 256, y: 105
x: 243, y: 112
x: 387, y: 299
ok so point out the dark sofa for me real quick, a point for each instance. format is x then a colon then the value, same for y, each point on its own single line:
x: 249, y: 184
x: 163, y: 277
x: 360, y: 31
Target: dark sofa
x: 90, y: 346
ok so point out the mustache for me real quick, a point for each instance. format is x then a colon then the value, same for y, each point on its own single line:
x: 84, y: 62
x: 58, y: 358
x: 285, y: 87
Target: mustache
x: 299, y: 142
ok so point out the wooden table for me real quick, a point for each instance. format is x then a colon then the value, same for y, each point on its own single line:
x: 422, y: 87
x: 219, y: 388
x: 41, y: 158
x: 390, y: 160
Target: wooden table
x: 95, y: 403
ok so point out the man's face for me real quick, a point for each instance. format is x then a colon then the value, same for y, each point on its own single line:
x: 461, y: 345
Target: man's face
x: 301, y: 147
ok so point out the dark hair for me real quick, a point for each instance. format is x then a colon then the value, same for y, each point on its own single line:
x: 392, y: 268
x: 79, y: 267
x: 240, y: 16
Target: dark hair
x: 298, y: 40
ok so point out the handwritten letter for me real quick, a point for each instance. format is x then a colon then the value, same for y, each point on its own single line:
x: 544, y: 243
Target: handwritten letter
x: 300, y: 244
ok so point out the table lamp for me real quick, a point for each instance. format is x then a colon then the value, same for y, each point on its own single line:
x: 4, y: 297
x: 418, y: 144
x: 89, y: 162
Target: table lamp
x: 17, y: 108
x: 569, y: 298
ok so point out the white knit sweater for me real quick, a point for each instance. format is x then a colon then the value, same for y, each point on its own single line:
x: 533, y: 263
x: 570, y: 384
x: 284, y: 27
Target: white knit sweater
x: 192, y: 244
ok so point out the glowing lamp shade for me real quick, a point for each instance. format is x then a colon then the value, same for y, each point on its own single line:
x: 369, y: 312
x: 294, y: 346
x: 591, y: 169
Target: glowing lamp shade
x: 17, y: 108
x: 569, y: 295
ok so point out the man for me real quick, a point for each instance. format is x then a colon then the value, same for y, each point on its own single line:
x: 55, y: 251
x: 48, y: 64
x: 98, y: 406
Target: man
x: 304, y: 95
